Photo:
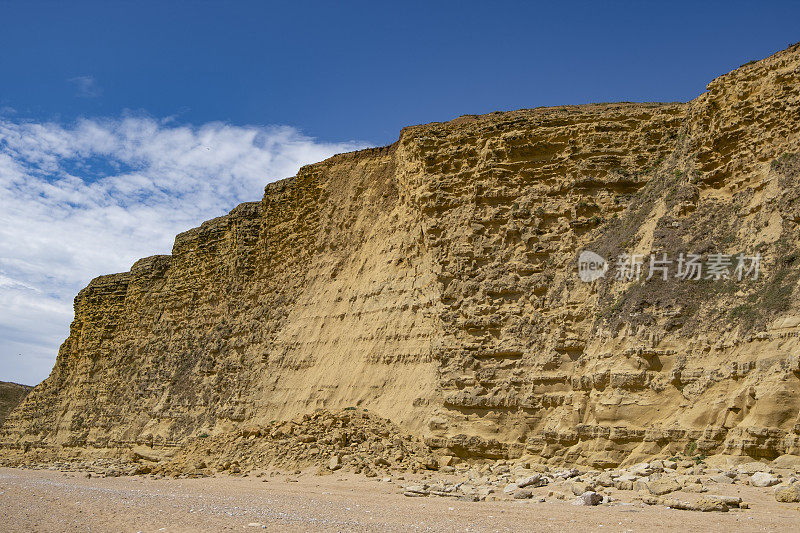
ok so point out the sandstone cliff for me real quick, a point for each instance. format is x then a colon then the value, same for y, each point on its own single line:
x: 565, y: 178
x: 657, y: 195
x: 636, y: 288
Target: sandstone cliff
x: 11, y: 394
x: 434, y: 282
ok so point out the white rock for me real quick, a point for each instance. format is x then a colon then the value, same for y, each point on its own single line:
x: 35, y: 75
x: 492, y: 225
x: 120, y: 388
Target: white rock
x: 641, y: 469
x: 591, y: 498
x: 762, y: 479
x: 535, y: 480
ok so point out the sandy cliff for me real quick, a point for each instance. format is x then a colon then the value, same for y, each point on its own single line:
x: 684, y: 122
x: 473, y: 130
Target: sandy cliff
x: 434, y: 282
x: 11, y: 394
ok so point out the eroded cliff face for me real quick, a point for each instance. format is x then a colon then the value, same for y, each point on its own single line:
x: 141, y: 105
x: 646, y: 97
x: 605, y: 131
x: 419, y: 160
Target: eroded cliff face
x: 11, y: 394
x: 434, y: 282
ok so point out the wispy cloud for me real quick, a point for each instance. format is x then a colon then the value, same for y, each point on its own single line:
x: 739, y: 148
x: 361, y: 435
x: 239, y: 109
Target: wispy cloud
x: 86, y: 86
x: 92, y: 197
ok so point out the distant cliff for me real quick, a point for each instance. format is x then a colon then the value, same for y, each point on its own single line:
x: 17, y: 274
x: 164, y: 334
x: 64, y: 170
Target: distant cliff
x: 435, y: 282
x: 11, y: 394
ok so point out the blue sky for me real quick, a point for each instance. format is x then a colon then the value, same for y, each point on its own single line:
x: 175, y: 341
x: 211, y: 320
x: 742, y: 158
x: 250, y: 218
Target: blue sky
x: 124, y: 123
x: 362, y: 70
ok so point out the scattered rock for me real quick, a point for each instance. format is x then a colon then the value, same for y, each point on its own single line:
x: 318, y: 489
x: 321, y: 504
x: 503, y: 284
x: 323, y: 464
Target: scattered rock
x: 694, y: 487
x: 730, y: 501
x: 591, y: 498
x: 418, y: 489
x: 788, y: 494
x: 709, y: 504
x: 752, y: 468
x: 641, y: 469
x: 762, y: 479
x: 578, y: 488
x: 446, y: 460
x: 723, y: 479
x: 536, y: 480
x: 567, y: 474
x: 663, y: 486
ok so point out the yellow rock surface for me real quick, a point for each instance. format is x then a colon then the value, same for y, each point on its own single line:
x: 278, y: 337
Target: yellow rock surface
x: 434, y: 282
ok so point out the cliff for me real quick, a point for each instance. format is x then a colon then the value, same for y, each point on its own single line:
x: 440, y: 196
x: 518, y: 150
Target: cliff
x: 11, y: 394
x: 434, y: 282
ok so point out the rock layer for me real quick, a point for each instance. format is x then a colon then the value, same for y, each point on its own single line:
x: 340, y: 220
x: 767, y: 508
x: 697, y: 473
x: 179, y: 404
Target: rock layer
x: 434, y: 283
x: 11, y: 394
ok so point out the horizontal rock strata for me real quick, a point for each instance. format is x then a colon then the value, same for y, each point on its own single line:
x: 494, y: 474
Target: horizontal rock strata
x: 434, y: 283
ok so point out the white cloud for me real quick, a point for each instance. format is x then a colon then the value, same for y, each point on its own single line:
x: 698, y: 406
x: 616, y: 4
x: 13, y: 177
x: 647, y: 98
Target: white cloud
x: 91, y: 198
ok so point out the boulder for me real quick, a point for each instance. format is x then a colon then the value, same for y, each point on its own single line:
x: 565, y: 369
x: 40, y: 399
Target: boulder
x: 762, y: 479
x: 663, y: 486
x: 579, y: 488
x: 641, y: 469
x: 710, y: 504
x: 591, y: 498
x: 788, y: 493
x: 730, y: 501
x: 536, y: 480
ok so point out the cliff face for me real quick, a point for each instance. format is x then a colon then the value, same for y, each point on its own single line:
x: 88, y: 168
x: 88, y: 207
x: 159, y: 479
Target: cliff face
x: 435, y: 282
x: 11, y: 394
